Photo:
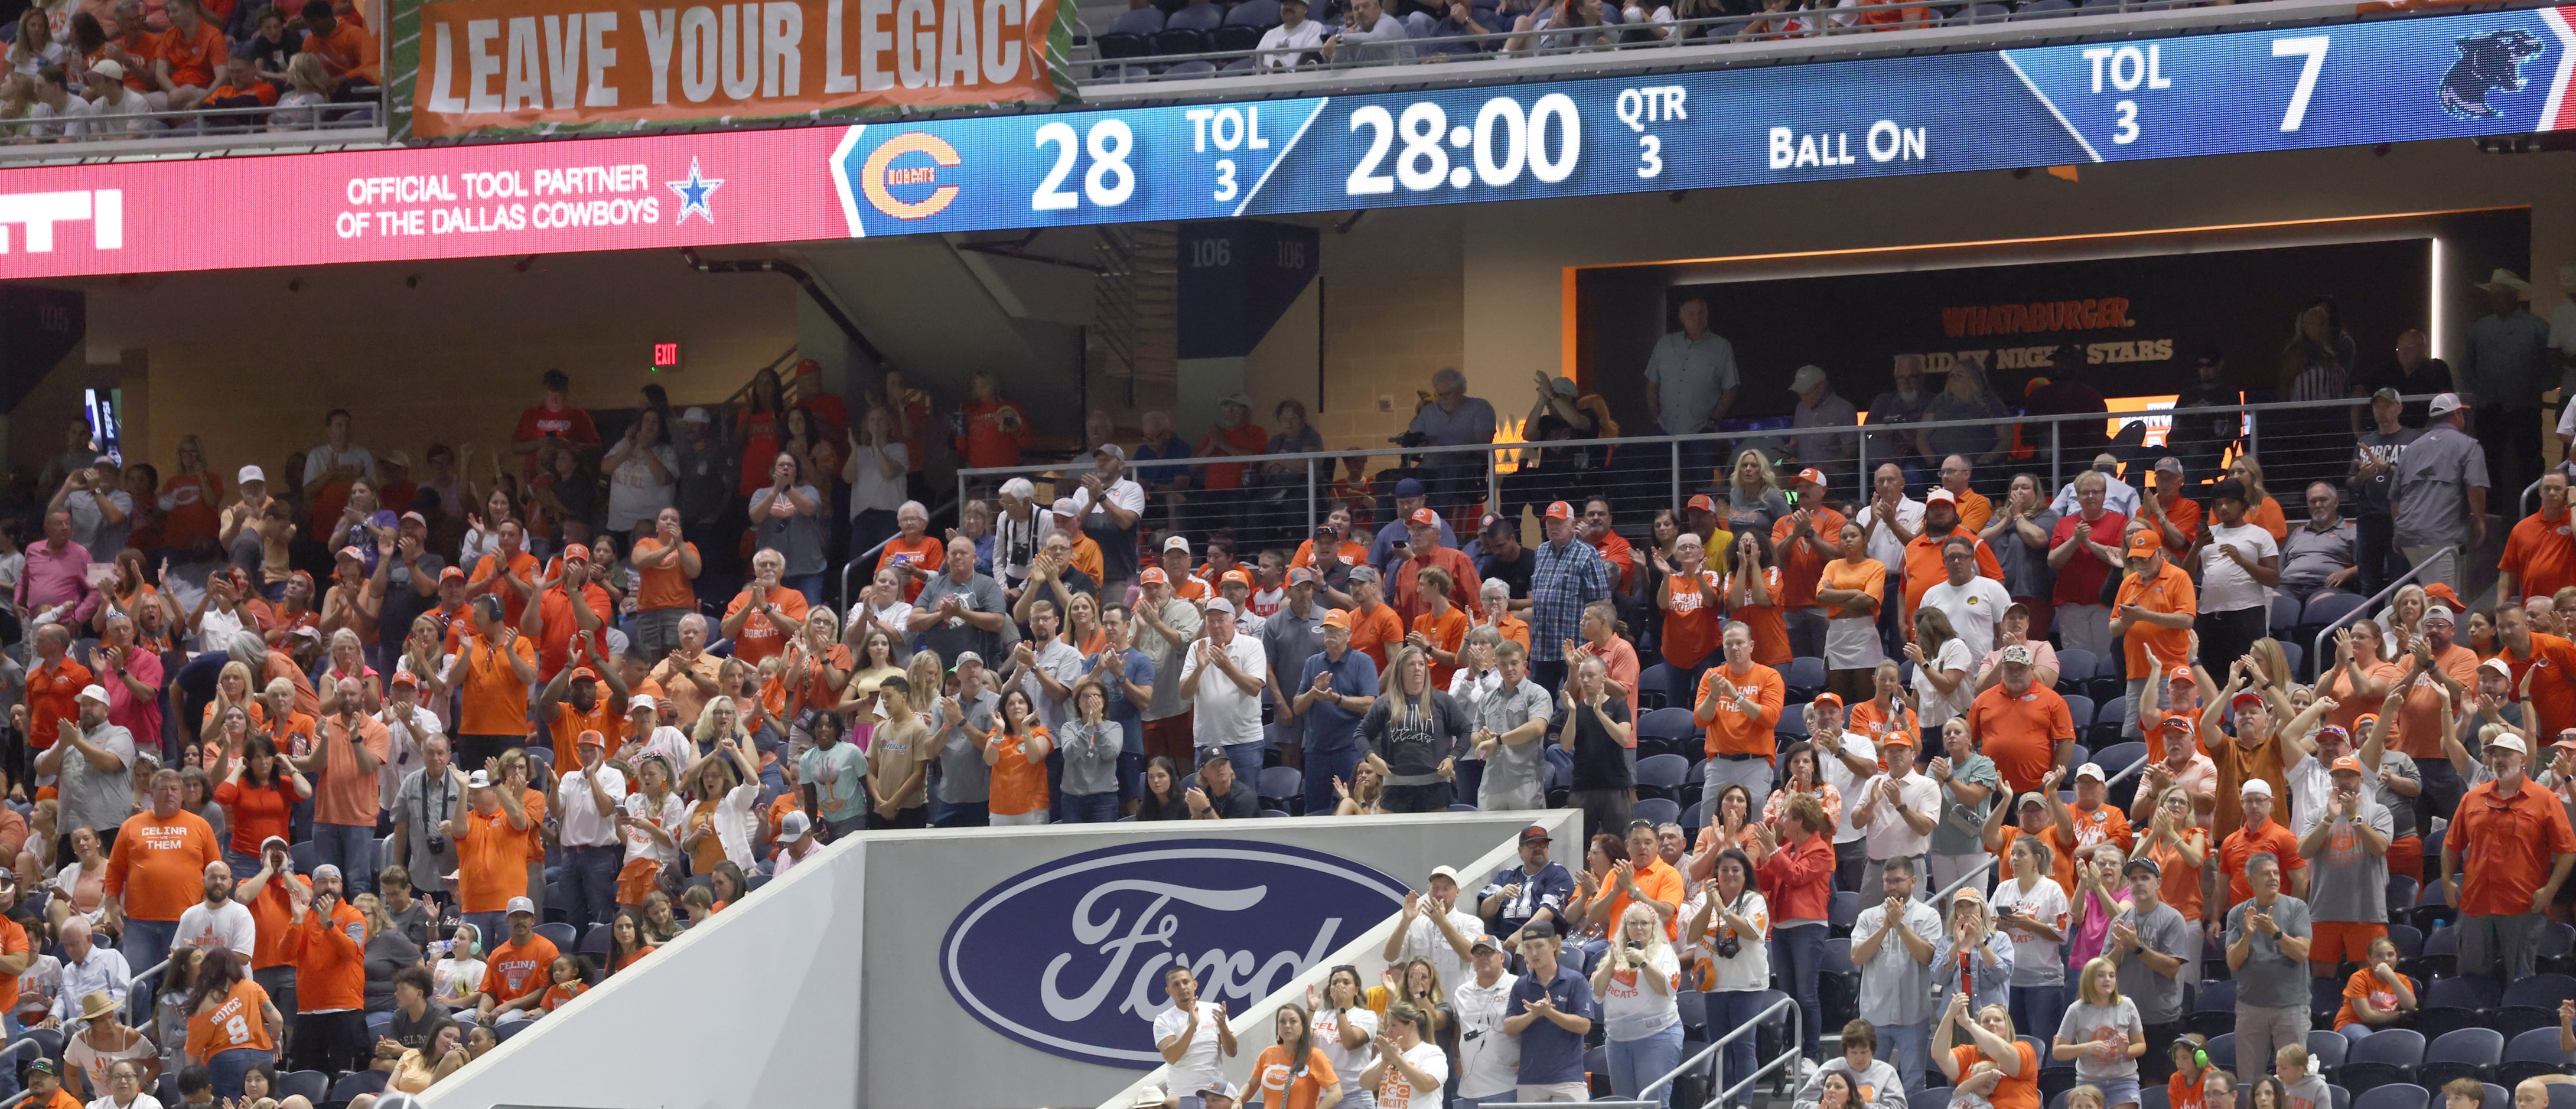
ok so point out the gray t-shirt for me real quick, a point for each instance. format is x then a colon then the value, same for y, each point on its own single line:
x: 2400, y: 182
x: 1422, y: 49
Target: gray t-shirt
x: 1961, y: 830
x: 963, y: 777
x: 1515, y: 773
x: 2401, y: 809
x: 1090, y: 756
x: 2164, y: 932
x: 2345, y: 881
x: 2270, y: 979
x: 90, y: 528
x: 2432, y: 484
x: 2026, y: 569
x: 2085, y: 1023
x: 1183, y: 618
x: 796, y: 535
x: 94, y: 798
x: 955, y: 634
x: 422, y: 803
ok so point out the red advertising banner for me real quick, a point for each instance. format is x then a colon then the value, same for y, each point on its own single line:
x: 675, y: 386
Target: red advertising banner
x: 398, y: 205
x: 558, y: 65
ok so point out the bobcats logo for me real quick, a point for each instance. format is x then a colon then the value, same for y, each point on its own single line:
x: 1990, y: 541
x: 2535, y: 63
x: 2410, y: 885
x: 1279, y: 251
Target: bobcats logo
x: 2488, y: 63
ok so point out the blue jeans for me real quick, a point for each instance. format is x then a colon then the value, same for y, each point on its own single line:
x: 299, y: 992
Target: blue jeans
x: 228, y: 1067
x: 811, y: 585
x: 493, y: 927
x: 1321, y: 768
x: 1800, y: 954
x: 1634, y: 1063
x: 1908, y: 1048
x: 352, y: 848
x: 1728, y: 1011
x: 2037, y: 1009
x: 590, y: 884
x: 1090, y: 808
x: 1246, y: 758
x: 146, y: 943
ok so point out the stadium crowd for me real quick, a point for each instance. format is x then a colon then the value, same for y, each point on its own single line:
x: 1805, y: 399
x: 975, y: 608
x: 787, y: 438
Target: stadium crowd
x: 418, y: 756
x: 115, y: 69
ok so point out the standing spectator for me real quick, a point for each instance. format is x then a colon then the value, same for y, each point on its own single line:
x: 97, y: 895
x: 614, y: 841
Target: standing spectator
x: 2067, y: 394
x: 2438, y: 497
x: 1551, y: 1013
x: 1974, y: 949
x: 330, y: 470
x: 1691, y: 380
x: 492, y: 669
x: 1923, y: 557
x: 158, y: 868
x: 553, y: 421
x: 2260, y: 835
x: 1851, y: 589
x: 328, y: 939
x: 491, y: 850
x: 643, y: 473
x: 665, y: 565
x: 1892, y: 942
x: 1511, y: 725
x: 1974, y: 604
x: 1420, y: 732
x: 1795, y: 863
x: 1489, y: 1058
x: 1593, y: 725
x: 1432, y: 927
x: 90, y: 762
x: 2320, y: 553
x: 1965, y: 396
x: 346, y: 791
x: 1335, y: 691
x: 1225, y: 706
x: 2371, y: 477
x: 589, y: 798
x: 1638, y: 983
x: 2239, y: 564
x: 2175, y: 518
x: 2503, y: 859
x: 1901, y: 448
x: 1090, y: 742
x: 2158, y: 602
x: 1804, y: 542
x: 216, y: 920
x: 899, y: 754
x: 1569, y: 575
x: 2084, y: 548
x: 2503, y: 369
x: 704, y: 491
x: 428, y: 797
x: 994, y: 431
x: 1890, y: 524
x: 102, y: 514
x: 2267, y: 953
x: 1969, y: 782
x: 1849, y: 759
x: 1165, y: 627
x: 2020, y: 534
x: 2345, y: 841
x: 54, y: 585
x: 1898, y: 809
x: 1017, y: 753
x: 2104, y: 1034
x: 965, y: 782
x: 232, y: 1023
x: 1738, y: 702
x: 2031, y: 907
x: 1453, y: 419
x: 1733, y: 930
x: 875, y: 471
x: 1828, y: 453
x: 1421, y: 551
x: 2436, y: 672
x: 2539, y: 554
x: 786, y: 516
x: 960, y: 610
x: 2152, y: 945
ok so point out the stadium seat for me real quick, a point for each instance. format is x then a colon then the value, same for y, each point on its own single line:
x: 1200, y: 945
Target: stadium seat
x: 1661, y: 776
x: 1838, y: 988
x: 1805, y: 678
x: 2285, y: 608
x: 2562, y: 1095
x: 2326, y: 608
x: 2222, y: 1051
x: 378, y: 1023
x: 596, y: 941
x: 1792, y: 727
x: 504, y: 1032
x: 1844, y: 910
x: 2111, y: 677
x: 1655, y: 687
x: 2465, y: 1053
x: 1668, y: 723
x: 1257, y: 14
x: 348, y: 1088
x: 2399, y: 1096
x: 2410, y: 942
x: 2467, y: 992
x: 2542, y: 990
x: 1658, y: 811
x: 2530, y: 1053
x: 1982, y: 13
x: 561, y: 935
x: 314, y: 1085
x: 1283, y: 814
x: 2075, y: 666
x: 2557, y: 947
x: 2432, y: 907
x: 2154, y: 1097
x: 2327, y: 1048
x: 2401, y: 898
x: 2079, y: 708
x: 1693, y: 1007
x: 1196, y: 17
x: 306, y: 856
x: 2497, y: 1097
x: 2385, y: 1058
x: 1282, y: 787
x: 2214, y: 1012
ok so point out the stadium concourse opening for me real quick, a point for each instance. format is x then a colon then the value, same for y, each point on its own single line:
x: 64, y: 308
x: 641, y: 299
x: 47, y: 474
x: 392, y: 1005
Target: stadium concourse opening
x: 803, y: 385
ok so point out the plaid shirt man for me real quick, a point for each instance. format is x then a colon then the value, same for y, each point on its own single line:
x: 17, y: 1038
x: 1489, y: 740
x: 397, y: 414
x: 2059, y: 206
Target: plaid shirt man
x: 1568, y: 576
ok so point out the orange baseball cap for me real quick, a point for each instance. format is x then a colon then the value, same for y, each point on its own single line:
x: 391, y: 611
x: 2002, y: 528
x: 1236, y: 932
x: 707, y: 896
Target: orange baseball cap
x: 1559, y: 510
x: 1153, y: 575
x: 1337, y: 619
x: 572, y: 551
x: 2347, y: 763
x: 1701, y: 502
x: 584, y: 674
x: 1238, y: 574
x: 1425, y: 517
x: 1812, y: 474
x: 589, y: 739
x: 2144, y: 544
x: 1837, y: 700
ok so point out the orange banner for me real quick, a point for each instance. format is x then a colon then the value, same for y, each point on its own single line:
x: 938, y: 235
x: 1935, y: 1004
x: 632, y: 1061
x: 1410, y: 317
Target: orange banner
x: 577, y: 64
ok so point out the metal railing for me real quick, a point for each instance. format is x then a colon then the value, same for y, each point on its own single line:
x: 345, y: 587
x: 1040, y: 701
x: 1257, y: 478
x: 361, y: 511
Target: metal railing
x: 2303, y: 445
x: 1711, y: 1058
x: 2317, y: 647
x: 1626, y: 28
x: 306, y: 119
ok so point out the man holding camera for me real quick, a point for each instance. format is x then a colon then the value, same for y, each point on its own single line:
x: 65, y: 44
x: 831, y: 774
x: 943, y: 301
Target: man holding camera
x: 428, y: 796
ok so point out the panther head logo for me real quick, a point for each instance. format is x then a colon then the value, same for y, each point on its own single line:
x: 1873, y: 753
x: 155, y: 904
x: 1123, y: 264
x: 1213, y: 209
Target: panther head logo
x: 2488, y: 63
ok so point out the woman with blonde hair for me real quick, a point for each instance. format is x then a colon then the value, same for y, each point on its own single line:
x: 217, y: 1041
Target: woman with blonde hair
x: 232, y: 690
x: 1365, y: 793
x: 1753, y: 492
x: 721, y: 719
x: 1983, y: 1058
x: 1941, y: 668
x: 300, y: 108
x: 2261, y: 509
x: 2103, y: 1035
x: 1421, y: 730
x: 1638, y: 983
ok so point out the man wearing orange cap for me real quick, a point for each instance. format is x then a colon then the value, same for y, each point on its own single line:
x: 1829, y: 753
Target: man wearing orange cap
x: 353, y: 745
x: 588, y: 697
x: 1807, y: 538
x: 1165, y: 625
x: 1569, y: 574
x: 2345, y: 841
x: 2152, y: 615
x: 1420, y: 550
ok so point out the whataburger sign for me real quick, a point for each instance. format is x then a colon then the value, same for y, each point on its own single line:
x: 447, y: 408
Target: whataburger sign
x: 487, y: 66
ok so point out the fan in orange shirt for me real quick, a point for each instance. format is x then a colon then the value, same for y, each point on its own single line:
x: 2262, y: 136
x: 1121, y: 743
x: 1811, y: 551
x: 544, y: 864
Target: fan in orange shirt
x: 2540, y: 554
x: 2541, y: 665
x: 1441, y: 630
x: 1373, y: 624
x: 514, y: 978
x: 765, y: 614
x: 348, y: 51
x: 327, y: 938
x: 509, y: 573
x: 912, y: 555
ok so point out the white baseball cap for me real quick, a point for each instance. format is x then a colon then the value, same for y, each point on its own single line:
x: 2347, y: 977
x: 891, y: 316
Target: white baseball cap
x: 96, y: 693
x: 250, y: 474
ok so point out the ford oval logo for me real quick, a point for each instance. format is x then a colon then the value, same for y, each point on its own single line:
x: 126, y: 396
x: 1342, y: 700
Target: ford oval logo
x: 1069, y: 957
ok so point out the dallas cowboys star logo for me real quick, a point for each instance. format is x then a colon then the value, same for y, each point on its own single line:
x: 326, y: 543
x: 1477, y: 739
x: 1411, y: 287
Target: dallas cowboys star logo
x: 694, y: 193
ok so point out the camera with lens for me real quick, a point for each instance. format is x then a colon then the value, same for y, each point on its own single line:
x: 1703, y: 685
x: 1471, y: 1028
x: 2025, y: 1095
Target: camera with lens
x: 437, y: 844
x: 1729, y: 947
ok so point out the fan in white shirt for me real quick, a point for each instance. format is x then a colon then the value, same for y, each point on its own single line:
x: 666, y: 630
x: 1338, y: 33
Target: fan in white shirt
x: 1192, y: 1035
x: 1294, y: 32
x: 218, y: 921
x: 1410, y: 1071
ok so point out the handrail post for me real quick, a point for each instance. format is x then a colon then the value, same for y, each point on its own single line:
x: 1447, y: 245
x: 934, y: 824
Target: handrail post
x: 1494, y: 479
x: 1310, y: 496
x: 2056, y: 443
x: 1676, y: 445
x: 2253, y: 433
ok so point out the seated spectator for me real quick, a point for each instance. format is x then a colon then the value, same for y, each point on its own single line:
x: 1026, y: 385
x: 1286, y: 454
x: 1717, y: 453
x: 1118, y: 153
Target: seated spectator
x: 1295, y: 32
x: 2319, y: 554
x: 1373, y: 37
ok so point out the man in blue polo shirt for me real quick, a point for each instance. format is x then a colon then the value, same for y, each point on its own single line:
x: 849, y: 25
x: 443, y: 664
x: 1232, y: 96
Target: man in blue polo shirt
x: 1551, y: 1012
x: 1532, y: 891
x: 1128, y: 675
x: 1334, y: 691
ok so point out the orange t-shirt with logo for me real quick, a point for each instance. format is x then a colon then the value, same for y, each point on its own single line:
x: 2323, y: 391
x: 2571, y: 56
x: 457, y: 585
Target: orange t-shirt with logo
x: 1448, y: 632
x: 926, y: 552
x: 487, y: 571
x: 159, y: 865
x: 1730, y: 731
x: 2105, y: 824
x: 492, y: 861
x: 514, y: 971
x: 237, y: 1023
x: 1351, y: 554
x: 1802, y: 565
x: 2153, y: 649
x: 1691, y: 619
x: 759, y: 638
x: 269, y: 913
x: 1770, y: 629
x: 1373, y: 630
x: 2541, y: 555
x: 51, y: 695
x: 664, y: 586
x: 569, y: 723
x: 1277, y: 1091
x: 1019, y: 786
x: 2016, y: 1091
x: 2364, y: 983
